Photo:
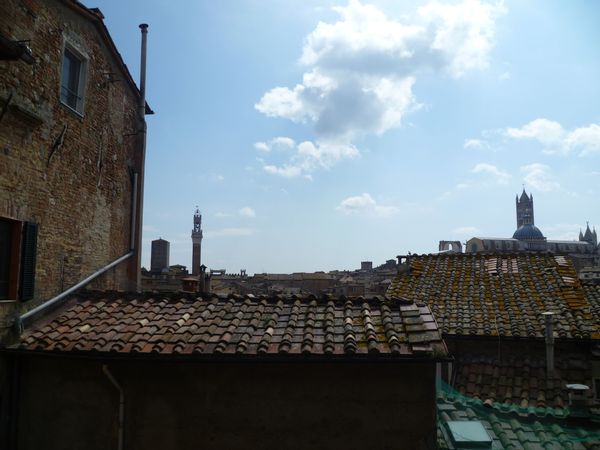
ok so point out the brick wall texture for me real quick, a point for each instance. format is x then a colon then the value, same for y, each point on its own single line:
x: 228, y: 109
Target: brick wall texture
x: 81, y: 195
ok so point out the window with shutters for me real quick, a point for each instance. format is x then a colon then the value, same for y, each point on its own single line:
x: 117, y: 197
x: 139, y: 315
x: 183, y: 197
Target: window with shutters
x: 18, y: 247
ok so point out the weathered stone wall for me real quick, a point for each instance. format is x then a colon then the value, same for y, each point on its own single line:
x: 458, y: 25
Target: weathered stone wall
x: 81, y: 194
x: 71, y: 404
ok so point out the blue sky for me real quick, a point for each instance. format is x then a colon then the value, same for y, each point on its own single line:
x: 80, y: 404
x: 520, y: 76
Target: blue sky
x: 313, y: 135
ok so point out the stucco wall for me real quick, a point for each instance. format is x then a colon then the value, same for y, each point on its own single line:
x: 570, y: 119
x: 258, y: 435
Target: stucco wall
x: 70, y: 404
x: 81, y: 195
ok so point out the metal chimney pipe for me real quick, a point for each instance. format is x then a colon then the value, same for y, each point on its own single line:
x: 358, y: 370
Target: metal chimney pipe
x: 548, y: 315
x: 144, y: 30
x: 137, y: 216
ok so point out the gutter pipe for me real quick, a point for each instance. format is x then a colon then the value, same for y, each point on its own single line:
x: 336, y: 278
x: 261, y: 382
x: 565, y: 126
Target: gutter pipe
x: 114, y: 382
x: 133, y: 212
x: 29, y: 314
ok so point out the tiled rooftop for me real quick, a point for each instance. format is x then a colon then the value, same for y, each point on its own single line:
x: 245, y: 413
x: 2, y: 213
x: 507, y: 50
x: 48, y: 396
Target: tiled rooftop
x: 503, y: 294
x: 246, y: 326
x: 520, y: 384
x: 592, y: 294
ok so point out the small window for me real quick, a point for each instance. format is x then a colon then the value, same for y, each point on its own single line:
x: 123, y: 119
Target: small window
x: 72, y: 81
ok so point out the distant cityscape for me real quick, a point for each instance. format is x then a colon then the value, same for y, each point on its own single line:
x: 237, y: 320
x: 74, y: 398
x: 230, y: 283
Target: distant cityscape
x: 368, y: 280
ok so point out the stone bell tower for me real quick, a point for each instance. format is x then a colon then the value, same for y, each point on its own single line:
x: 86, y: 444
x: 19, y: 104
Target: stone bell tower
x: 196, y: 242
x: 524, y: 209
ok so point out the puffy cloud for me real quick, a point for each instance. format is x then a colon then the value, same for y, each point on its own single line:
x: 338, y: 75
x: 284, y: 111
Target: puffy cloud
x: 499, y: 176
x: 364, y: 204
x: 361, y: 69
x: 310, y: 156
x: 246, y: 211
x: 556, y: 139
x: 547, y: 132
x: 279, y: 142
x: 538, y: 176
x: 462, y: 33
x: 477, y: 144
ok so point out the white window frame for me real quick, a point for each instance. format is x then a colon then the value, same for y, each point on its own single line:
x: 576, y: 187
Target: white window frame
x: 81, y: 85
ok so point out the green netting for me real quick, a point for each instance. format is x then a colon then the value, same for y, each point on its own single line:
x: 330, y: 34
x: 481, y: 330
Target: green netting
x: 514, y: 427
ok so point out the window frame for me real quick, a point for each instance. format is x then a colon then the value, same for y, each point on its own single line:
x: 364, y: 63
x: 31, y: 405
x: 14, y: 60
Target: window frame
x: 14, y: 259
x: 83, y: 60
x: 21, y: 273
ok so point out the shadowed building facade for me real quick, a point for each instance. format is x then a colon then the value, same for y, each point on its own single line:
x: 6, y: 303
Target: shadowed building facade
x: 159, y: 258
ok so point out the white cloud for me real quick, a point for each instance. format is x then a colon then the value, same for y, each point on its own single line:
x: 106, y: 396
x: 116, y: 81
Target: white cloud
x: 463, y: 32
x: 310, y: 156
x: 478, y: 144
x: 499, y: 176
x: 556, y: 139
x: 246, y: 211
x: 466, y: 230
x: 230, y: 232
x: 275, y: 143
x: 364, y: 204
x: 538, y: 177
x: 361, y: 69
x: 285, y: 171
x: 262, y: 146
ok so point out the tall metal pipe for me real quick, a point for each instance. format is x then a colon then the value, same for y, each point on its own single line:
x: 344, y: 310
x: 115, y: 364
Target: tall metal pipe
x: 137, y: 221
x: 142, y: 104
x: 549, y: 343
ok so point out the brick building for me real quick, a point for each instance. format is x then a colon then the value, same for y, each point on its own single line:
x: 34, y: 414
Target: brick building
x: 72, y: 138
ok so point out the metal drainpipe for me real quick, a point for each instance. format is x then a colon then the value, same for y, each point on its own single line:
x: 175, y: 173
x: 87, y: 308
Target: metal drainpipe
x: 121, y: 405
x: 133, y: 212
x: 549, y: 343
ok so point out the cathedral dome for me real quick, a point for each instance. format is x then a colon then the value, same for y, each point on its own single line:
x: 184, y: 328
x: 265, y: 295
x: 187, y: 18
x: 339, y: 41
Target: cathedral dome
x: 528, y: 232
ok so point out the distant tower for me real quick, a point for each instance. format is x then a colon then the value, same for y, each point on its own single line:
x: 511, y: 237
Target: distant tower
x: 159, y: 257
x: 589, y: 236
x: 196, y: 242
x: 524, y: 209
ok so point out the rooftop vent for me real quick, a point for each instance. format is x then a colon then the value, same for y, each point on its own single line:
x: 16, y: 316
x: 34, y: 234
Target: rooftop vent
x: 578, y: 402
x: 469, y: 434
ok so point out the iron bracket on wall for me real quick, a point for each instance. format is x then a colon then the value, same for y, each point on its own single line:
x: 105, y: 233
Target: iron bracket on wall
x: 57, y: 144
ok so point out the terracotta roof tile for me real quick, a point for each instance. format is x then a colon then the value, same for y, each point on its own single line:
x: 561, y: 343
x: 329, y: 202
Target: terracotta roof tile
x: 523, y: 382
x: 491, y: 295
x: 239, y: 325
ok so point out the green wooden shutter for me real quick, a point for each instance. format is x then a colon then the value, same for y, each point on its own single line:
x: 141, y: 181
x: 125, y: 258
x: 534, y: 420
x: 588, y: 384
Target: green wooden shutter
x: 30, y: 231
